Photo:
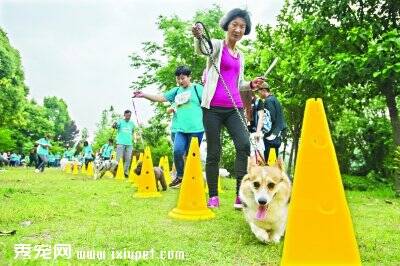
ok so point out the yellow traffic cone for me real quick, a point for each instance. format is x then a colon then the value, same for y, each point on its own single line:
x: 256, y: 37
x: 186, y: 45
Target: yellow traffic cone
x: 166, y: 170
x: 161, y: 162
x: 83, y: 169
x: 68, y: 168
x: 132, y: 174
x: 272, y: 157
x: 75, y: 169
x: 120, y: 171
x: 141, y: 157
x: 319, y: 228
x: 89, y: 171
x: 146, y: 181
x: 192, y: 200
x: 220, y: 190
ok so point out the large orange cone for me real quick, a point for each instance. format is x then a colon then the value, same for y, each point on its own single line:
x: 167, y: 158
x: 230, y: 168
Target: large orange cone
x: 120, y: 171
x: 166, y: 170
x: 192, y: 200
x: 132, y: 176
x: 146, y: 181
x: 319, y: 229
x: 75, y: 169
x: 272, y: 157
x: 89, y: 171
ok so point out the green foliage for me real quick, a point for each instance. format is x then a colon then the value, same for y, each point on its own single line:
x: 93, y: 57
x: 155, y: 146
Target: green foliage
x: 7, y: 143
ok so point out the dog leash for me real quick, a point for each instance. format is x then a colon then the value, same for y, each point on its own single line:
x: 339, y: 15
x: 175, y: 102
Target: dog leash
x: 137, y: 121
x: 206, y: 40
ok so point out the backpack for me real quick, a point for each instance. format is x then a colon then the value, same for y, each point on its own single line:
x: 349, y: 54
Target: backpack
x: 195, y: 89
x: 267, y: 123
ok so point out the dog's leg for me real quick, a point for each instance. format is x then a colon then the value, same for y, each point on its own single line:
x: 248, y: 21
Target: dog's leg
x: 260, y: 233
x: 163, y: 182
x: 277, y: 233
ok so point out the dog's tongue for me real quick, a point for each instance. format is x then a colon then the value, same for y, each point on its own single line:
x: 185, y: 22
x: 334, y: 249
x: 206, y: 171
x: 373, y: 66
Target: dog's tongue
x: 261, y: 212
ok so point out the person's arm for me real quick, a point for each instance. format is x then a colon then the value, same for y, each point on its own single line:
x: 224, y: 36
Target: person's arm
x: 152, y: 97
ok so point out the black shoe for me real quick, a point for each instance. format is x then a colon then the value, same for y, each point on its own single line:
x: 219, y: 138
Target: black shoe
x: 176, y: 183
x: 126, y: 176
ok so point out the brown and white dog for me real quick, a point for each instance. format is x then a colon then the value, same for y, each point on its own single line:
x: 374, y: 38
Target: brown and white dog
x: 265, y: 193
x: 159, y: 174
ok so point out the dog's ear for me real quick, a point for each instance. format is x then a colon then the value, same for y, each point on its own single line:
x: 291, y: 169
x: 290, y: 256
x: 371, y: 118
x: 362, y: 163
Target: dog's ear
x: 280, y: 164
x: 251, y: 163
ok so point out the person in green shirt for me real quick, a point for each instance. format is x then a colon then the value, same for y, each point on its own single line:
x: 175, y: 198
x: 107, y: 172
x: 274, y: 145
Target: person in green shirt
x: 87, y: 153
x: 42, y: 152
x: 107, y: 149
x: 187, y: 121
x: 125, y: 129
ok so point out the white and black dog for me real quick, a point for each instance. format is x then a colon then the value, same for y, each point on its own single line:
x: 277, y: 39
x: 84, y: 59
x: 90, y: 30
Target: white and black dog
x: 101, y: 166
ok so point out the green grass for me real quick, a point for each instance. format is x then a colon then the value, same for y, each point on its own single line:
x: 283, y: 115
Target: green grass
x: 103, y: 215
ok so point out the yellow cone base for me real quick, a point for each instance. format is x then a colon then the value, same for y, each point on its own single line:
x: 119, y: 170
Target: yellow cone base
x: 191, y: 215
x: 147, y: 194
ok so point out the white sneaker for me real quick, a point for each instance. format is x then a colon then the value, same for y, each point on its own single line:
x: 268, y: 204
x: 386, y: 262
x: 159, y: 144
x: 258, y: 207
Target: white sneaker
x: 37, y: 171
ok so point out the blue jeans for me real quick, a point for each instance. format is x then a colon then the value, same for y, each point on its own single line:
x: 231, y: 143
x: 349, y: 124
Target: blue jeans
x: 181, y: 146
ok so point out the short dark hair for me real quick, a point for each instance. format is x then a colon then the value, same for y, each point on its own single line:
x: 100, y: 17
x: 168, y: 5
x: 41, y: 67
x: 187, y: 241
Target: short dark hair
x: 127, y: 112
x: 236, y: 13
x: 85, y: 143
x: 111, y: 140
x: 183, y: 70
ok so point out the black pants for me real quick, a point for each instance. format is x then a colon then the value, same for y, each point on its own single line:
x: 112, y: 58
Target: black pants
x: 214, y: 119
x: 41, y: 163
x: 271, y: 144
x: 87, y: 161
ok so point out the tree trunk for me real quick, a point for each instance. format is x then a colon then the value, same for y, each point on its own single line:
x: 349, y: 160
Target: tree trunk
x: 291, y: 159
x: 390, y: 97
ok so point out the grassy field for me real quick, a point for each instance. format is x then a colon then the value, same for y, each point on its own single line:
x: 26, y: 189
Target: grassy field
x: 103, y: 216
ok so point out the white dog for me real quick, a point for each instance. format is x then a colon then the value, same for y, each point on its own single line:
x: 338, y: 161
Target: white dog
x: 265, y: 193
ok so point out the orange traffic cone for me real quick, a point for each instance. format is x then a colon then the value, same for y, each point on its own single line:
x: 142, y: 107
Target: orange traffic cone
x: 146, y: 181
x: 120, y: 171
x: 192, y: 201
x: 319, y: 228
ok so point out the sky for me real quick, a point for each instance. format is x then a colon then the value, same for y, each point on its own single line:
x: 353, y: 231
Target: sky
x: 78, y: 49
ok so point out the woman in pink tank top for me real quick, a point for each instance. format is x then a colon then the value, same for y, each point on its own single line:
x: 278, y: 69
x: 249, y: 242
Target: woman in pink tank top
x: 221, y: 112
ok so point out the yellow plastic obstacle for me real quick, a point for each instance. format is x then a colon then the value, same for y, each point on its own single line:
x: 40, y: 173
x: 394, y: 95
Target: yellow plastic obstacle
x: 83, y: 169
x: 192, y: 200
x: 132, y: 176
x: 120, y: 171
x: 75, y: 169
x: 161, y: 162
x: 220, y: 190
x: 272, y: 157
x: 146, y: 181
x: 166, y: 170
x: 68, y: 168
x: 319, y: 229
x: 89, y: 171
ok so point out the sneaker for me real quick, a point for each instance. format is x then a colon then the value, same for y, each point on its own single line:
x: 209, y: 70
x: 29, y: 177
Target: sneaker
x: 37, y: 170
x: 176, y: 183
x: 238, y: 204
x: 213, y: 202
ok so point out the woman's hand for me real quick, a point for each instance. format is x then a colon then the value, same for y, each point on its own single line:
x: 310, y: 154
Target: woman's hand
x: 257, y: 83
x: 170, y: 110
x: 138, y: 94
x: 197, y: 30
